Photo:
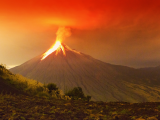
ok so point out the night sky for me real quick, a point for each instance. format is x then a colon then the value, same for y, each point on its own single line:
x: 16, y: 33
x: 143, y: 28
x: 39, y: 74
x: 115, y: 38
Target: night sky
x: 124, y: 32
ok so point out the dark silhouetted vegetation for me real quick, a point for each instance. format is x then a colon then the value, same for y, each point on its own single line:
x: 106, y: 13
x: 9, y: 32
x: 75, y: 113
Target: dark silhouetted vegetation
x: 77, y: 93
x: 52, y: 86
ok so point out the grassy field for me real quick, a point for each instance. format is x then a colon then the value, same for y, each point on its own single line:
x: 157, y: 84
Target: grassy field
x: 37, y: 108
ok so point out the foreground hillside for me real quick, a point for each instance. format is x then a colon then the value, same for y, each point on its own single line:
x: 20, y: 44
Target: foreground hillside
x: 18, y: 85
x: 6, y: 88
x: 34, y: 108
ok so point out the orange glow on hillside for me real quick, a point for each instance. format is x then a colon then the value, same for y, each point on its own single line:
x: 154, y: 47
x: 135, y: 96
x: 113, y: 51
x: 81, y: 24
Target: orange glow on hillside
x: 56, y: 47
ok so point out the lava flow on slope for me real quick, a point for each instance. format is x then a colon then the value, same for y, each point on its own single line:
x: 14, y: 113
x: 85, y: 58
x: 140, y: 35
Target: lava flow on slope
x: 56, y: 47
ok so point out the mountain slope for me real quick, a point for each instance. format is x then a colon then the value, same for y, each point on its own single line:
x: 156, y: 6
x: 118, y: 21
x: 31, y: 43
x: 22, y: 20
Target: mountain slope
x: 9, y: 89
x: 5, y: 87
x: 101, y: 80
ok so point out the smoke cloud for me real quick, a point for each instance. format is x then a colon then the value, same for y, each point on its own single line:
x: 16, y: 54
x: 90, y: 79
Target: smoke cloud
x: 62, y: 33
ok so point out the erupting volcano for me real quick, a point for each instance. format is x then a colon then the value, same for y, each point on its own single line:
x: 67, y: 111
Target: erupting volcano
x: 56, y: 47
x: 103, y: 81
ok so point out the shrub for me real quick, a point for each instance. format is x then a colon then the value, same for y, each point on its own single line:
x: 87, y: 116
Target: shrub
x: 77, y: 93
x: 43, y: 94
x: 88, y: 98
x: 40, y: 88
x: 52, y: 86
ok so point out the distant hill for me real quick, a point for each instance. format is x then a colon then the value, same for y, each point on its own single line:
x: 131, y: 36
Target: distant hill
x: 103, y: 81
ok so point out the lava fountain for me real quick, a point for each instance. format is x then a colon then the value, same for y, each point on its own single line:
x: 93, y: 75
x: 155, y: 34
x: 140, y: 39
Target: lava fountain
x: 61, y: 34
x: 56, y: 47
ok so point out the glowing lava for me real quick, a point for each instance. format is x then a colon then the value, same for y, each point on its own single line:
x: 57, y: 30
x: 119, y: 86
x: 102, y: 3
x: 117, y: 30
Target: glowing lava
x: 62, y: 33
x: 56, y: 47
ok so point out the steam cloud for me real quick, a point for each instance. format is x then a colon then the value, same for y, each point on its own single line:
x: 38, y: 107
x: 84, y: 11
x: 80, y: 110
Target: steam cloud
x: 62, y: 33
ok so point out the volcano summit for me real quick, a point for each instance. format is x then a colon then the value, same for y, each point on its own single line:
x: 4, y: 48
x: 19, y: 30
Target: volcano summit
x: 68, y: 68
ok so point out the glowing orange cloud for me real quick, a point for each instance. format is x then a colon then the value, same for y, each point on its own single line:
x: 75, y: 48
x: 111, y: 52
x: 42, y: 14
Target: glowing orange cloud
x: 82, y: 14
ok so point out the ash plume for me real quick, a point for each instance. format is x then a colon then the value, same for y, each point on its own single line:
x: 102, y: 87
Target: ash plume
x: 62, y: 33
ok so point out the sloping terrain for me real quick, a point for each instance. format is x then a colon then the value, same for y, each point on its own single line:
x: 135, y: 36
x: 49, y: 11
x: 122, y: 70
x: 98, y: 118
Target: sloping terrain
x: 103, y: 81
x: 17, y: 84
x: 9, y: 89
x: 5, y: 87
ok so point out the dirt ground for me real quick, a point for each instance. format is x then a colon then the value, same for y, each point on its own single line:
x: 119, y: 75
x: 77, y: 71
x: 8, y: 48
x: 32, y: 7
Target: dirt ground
x: 22, y: 107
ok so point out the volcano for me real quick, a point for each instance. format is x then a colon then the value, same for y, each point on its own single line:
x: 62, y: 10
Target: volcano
x: 68, y: 68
